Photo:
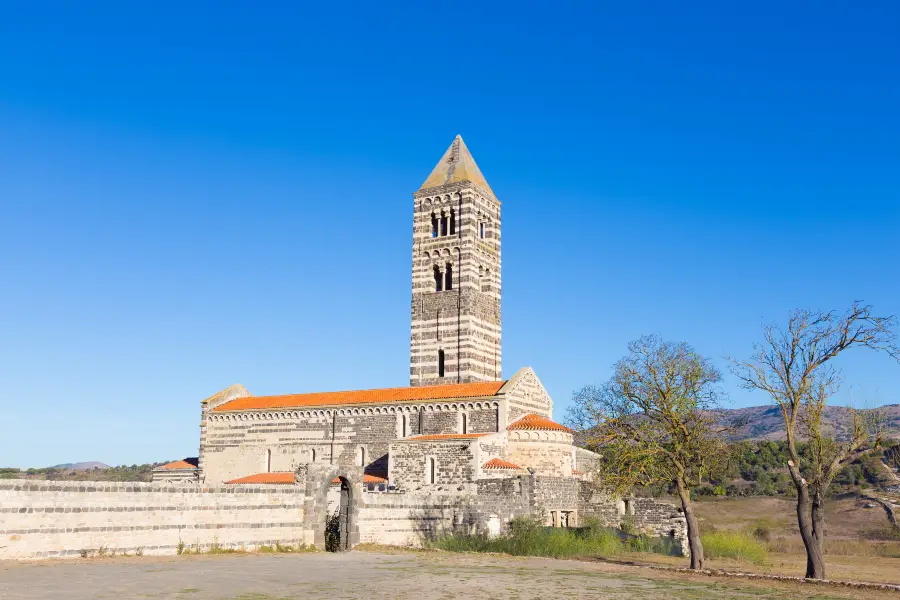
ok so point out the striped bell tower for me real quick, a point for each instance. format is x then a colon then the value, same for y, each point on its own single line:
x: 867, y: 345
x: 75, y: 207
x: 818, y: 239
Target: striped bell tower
x: 455, y: 275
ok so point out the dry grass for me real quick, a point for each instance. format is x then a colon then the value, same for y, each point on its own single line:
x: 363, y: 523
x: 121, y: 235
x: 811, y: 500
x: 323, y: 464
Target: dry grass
x: 860, y: 543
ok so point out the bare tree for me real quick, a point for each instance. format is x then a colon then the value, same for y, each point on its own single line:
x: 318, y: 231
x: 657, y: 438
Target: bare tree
x: 652, y: 424
x: 794, y: 367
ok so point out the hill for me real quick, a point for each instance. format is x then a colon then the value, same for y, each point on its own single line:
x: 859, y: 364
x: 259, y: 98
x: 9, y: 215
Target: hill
x: 758, y: 423
x: 81, y: 466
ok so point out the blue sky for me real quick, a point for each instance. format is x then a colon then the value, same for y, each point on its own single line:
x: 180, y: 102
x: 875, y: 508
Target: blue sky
x: 198, y: 194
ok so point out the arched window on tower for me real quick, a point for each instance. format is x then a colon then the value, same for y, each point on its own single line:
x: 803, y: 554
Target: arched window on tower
x: 440, y: 363
x: 362, y: 456
x: 448, y: 280
x: 452, y: 222
x: 312, y: 455
x: 481, y: 230
x: 434, y: 225
x: 268, y: 461
x: 444, y: 223
x: 464, y: 423
x: 438, y: 279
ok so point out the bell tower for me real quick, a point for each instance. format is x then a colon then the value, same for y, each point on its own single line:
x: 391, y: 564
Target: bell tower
x: 455, y: 275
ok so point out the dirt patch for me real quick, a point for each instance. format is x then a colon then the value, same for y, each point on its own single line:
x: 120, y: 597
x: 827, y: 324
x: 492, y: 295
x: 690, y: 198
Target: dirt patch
x: 363, y: 575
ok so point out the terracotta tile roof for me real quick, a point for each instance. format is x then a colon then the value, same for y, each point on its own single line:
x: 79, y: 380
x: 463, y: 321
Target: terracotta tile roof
x: 536, y: 422
x: 266, y: 478
x: 445, y: 436
x: 187, y: 463
x: 380, y: 396
x: 498, y: 463
x: 366, y: 479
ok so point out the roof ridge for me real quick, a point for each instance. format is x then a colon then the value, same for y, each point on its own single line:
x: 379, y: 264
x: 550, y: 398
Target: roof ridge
x: 438, y: 392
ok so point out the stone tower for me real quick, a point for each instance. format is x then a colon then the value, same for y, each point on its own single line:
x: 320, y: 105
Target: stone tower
x: 455, y: 275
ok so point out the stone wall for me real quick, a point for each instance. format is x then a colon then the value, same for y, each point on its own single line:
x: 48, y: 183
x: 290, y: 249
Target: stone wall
x: 411, y: 518
x: 527, y: 395
x: 240, y: 444
x: 454, y: 464
x: 40, y: 519
x: 647, y: 515
x: 542, y: 451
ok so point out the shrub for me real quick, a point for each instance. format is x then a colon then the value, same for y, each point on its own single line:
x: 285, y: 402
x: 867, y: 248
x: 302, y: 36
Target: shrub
x: 527, y: 537
x: 733, y: 544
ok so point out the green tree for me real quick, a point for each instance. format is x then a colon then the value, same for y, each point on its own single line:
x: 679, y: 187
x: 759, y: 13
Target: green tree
x: 652, y: 424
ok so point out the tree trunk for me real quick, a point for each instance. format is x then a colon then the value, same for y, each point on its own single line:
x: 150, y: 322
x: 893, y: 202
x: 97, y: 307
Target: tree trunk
x: 810, y: 511
x: 815, y: 567
x: 693, y: 527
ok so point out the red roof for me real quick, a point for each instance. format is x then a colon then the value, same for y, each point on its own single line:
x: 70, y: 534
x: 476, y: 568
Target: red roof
x: 380, y: 396
x: 497, y: 463
x: 536, y: 422
x: 445, y: 436
x: 187, y: 463
x: 366, y: 479
x: 266, y: 478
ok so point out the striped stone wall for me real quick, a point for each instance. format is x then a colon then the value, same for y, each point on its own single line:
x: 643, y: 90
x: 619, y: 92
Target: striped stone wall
x: 240, y: 444
x: 45, y: 519
x: 463, y: 322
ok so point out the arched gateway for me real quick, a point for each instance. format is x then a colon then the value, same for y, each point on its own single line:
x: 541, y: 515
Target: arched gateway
x: 333, y: 496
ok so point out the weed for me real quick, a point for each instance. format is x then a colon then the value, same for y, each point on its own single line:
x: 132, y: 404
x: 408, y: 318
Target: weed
x: 527, y: 537
x: 732, y: 544
x: 179, y: 549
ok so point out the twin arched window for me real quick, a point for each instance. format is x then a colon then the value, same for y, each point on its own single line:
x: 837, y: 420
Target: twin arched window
x: 443, y: 280
x: 443, y: 224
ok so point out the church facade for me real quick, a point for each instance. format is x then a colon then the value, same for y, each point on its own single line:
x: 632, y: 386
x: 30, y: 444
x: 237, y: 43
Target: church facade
x: 460, y: 447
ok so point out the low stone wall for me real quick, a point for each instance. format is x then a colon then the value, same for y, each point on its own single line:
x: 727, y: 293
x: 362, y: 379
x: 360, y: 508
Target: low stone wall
x: 648, y: 515
x: 411, y: 518
x: 41, y: 519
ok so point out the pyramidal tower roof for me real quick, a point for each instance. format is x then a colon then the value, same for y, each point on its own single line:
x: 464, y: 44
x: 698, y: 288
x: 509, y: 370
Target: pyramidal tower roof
x: 456, y: 165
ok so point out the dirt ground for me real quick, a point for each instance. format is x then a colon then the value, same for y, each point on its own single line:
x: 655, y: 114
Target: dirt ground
x: 363, y: 575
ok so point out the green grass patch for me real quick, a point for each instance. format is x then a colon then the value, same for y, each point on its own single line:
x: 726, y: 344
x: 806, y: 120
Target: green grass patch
x: 527, y: 537
x: 734, y: 544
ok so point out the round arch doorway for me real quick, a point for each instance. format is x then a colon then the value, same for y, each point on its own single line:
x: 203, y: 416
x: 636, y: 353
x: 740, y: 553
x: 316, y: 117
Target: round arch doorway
x: 339, y: 523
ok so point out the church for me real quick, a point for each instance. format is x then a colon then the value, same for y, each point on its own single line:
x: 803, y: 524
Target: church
x: 459, y: 435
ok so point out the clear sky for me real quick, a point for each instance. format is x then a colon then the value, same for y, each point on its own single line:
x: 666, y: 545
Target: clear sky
x: 195, y: 194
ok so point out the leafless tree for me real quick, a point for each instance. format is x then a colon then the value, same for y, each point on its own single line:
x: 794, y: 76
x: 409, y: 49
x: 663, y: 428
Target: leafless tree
x: 652, y: 423
x: 794, y: 367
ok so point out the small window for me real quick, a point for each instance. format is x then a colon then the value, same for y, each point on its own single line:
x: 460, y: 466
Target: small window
x: 312, y: 455
x: 452, y: 222
x: 434, y: 225
x: 268, y: 461
x: 481, y: 230
x: 464, y: 421
x: 438, y: 279
x: 431, y: 470
x: 448, y: 279
x: 404, y: 425
x: 440, y: 363
x: 444, y: 224
x: 362, y: 456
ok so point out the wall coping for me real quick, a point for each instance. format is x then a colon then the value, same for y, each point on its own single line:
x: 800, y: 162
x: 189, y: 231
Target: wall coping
x: 30, y: 485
